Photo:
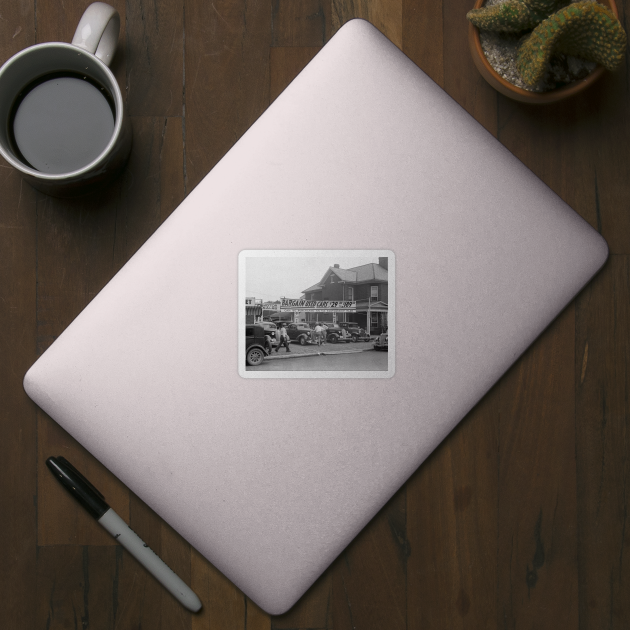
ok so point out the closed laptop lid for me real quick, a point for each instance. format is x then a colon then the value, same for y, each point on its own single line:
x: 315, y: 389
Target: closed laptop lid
x: 362, y: 156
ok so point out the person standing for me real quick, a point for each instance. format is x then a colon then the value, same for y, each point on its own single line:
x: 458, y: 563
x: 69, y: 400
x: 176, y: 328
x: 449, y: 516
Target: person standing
x: 318, y: 334
x: 324, y: 332
x: 268, y: 346
x: 284, y: 339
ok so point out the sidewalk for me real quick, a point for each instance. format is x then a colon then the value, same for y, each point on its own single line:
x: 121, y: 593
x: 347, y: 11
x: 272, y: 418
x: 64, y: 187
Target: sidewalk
x: 326, y: 348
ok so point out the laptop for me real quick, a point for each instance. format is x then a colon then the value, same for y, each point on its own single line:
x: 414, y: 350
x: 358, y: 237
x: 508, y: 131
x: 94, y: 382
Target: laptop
x: 364, y: 196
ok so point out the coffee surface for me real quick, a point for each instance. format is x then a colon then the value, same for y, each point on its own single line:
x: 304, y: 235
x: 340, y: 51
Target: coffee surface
x: 62, y: 124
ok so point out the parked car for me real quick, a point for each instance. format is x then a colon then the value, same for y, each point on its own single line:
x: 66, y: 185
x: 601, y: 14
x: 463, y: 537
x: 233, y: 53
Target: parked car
x: 299, y: 331
x: 352, y: 328
x: 255, y: 350
x: 272, y: 330
x: 381, y: 343
x: 333, y: 334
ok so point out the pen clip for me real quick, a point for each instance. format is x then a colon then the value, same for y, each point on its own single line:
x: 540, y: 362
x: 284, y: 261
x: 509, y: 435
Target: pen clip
x: 64, y: 462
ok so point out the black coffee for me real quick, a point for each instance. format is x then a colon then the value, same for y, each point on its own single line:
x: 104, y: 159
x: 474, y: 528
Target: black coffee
x: 61, y: 123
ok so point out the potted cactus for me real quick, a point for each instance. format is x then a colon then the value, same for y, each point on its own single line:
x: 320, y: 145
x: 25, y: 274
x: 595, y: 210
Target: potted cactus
x: 558, y: 49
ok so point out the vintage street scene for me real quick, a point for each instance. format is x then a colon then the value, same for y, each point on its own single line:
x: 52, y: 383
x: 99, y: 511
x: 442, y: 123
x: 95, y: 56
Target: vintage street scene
x: 322, y: 312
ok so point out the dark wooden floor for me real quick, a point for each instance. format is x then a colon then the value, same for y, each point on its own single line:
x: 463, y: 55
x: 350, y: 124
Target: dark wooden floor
x: 518, y: 520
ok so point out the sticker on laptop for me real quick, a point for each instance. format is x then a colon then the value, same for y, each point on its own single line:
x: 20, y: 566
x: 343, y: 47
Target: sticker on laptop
x: 316, y: 313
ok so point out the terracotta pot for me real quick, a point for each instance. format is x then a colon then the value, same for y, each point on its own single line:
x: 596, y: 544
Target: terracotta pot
x: 518, y: 94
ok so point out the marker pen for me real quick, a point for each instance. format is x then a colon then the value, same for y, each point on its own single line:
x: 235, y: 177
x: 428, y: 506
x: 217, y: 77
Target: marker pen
x: 94, y: 502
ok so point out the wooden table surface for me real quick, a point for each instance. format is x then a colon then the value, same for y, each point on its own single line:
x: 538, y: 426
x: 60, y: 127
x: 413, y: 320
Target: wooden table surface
x: 518, y: 520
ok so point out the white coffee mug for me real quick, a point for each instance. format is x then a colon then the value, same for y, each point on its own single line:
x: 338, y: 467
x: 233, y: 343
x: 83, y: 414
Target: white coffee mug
x: 40, y: 82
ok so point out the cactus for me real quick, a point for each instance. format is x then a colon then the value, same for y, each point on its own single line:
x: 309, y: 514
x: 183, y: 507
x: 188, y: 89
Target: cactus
x: 513, y: 16
x: 584, y: 29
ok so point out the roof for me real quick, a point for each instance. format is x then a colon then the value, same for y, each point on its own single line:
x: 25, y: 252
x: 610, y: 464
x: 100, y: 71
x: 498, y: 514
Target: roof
x: 371, y: 271
x: 345, y: 274
x: 362, y: 273
x: 315, y: 287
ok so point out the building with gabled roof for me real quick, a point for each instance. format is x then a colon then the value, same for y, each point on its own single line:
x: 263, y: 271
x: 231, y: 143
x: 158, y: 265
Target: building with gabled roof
x: 367, y: 285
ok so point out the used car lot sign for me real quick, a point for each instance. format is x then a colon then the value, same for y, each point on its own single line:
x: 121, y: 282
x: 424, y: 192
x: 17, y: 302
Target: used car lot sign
x: 311, y: 305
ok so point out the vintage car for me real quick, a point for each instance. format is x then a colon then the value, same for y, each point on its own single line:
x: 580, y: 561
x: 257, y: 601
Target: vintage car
x: 300, y: 332
x: 380, y: 343
x: 272, y: 330
x: 352, y: 328
x: 255, y: 350
x: 334, y: 334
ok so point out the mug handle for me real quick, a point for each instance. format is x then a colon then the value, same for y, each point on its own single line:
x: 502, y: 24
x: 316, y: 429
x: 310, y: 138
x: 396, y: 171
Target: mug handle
x: 98, y: 30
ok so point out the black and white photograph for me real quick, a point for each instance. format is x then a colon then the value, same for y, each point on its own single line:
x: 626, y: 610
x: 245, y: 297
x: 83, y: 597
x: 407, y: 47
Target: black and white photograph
x: 316, y: 313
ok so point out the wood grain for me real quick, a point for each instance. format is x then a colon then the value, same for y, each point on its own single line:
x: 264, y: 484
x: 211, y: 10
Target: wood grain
x: 300, y: 23
x: 537, y: 510
x: 422, y: 36
x: 602, y: 380
x: 452, y: 516
x: 76, y: 587
x: 226, y: 78
x: 461, y: 79
x: 154, y: 57
x: 369, y: 577
x: 18, y: 416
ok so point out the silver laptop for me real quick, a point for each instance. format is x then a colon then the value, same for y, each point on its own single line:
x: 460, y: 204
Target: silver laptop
x: 364, y: 196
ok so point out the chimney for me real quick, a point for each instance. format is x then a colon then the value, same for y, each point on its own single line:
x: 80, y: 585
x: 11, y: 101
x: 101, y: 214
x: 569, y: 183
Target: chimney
x: 383, y: 262
x: 336, y: 266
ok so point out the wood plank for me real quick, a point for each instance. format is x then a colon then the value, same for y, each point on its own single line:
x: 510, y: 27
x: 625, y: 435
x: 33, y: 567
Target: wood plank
x: 558, y: 147
x: 17, y: 28
x: 300, y: 22
x: 18, y: 421
x: 386, y: 15
x: 452, y: 527
x: 226, y: 78
x: 154, y: 57
x: 423, y: 36
x: 18, y: 416
x: 603, y: 468
x: 369, y: 577
x: 537, y: 537
x: 76, y: 587
x: 461, y: 78
x: 608, y: 128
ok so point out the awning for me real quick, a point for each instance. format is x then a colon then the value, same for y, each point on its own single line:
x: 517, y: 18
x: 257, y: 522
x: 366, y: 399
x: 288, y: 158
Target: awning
x: 253, y: 309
